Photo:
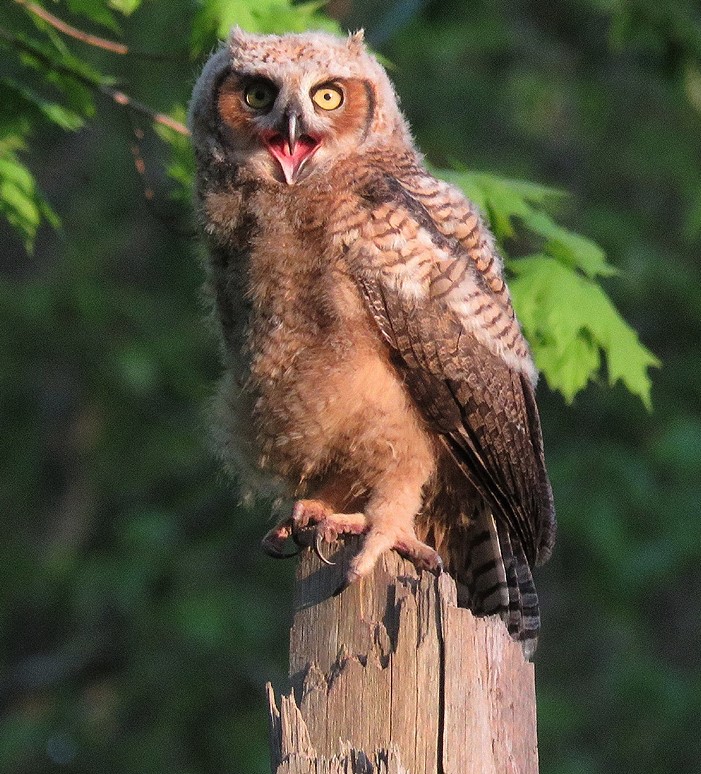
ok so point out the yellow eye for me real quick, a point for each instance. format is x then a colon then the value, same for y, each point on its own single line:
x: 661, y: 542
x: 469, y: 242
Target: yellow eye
x: 328, y: 97
x: 260, y: 95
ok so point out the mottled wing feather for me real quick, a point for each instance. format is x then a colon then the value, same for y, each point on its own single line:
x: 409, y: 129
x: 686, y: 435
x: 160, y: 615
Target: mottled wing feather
x: 455, y: 217
x: 462, y: 356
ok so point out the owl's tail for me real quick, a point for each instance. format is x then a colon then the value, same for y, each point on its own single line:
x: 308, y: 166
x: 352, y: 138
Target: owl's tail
x: 494, y: 577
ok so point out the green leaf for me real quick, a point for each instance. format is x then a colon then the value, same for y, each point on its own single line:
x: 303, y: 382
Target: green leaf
x: 568, y: 368
x: 569, y: 320
x: 95, y: 10
x: 40, y: 54
x: 568, y: 247
x: 20, y: 97
x: 217, y: 17
x: 20, y: 201
x: 125, y: 7
x: 64, y: 71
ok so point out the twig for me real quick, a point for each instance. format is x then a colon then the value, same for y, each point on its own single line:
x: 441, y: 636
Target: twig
x: 115, y: 94
x: 66, y: 29
x: 86, y: 37
x: 173, y: 222
x: 123, y: 100
x: 129, y: 102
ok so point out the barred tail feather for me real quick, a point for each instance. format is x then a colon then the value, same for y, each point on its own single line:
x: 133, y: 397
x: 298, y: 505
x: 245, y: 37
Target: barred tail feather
x: 483, y: 579
x: 523, y: 620
x: 496, y: 579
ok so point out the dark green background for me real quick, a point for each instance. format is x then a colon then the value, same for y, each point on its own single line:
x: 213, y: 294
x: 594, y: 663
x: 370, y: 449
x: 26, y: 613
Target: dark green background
x: 138, y: 618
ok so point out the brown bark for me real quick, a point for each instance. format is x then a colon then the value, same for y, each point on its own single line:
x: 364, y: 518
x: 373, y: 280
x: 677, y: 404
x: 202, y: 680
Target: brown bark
x: 392, y: 677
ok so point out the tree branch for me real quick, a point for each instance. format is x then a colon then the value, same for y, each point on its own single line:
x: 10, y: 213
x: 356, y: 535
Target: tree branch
x: 129, y: 102
x: 89, y: 39
x: 115, y: 94
x: 73, y: 32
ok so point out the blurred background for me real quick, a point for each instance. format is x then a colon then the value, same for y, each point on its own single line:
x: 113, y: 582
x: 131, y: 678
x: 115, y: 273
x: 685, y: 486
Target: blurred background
x: 139, y: 620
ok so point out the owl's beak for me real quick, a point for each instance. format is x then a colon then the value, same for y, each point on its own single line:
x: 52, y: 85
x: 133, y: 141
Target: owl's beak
x: 293, y: 132
x: 292, y: 148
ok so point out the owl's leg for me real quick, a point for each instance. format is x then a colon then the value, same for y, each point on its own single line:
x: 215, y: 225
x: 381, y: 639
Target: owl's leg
x: 387, y: 523
x: 275, y: 540
x: 390, y: 514
x: 318, y: 519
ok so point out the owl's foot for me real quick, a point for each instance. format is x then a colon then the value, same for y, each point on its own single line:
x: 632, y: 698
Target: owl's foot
x: 313, y: 519
x: 311, y: 523
x: 274, y: 541
x: 403, y: 541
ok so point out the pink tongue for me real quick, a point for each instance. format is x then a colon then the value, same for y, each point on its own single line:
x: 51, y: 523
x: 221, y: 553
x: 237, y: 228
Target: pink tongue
x: 290, y: 162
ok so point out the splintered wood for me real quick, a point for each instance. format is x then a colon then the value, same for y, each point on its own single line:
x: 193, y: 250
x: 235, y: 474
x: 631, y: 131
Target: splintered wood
x: 391, y: 677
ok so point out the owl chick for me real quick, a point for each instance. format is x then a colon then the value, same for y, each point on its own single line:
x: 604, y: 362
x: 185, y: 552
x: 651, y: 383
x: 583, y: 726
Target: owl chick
x: 374, y: 368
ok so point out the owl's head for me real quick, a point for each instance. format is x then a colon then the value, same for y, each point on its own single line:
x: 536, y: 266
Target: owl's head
x: 284, y: 107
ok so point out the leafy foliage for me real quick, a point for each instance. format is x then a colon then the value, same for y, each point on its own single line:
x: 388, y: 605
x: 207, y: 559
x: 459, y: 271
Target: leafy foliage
x: 565, y: 348
x: 571, y: 318
x: 217, y: 17
x: 565, y: 313
x: 41, y: 66
x: 138, y: 619
x: 20, y: 201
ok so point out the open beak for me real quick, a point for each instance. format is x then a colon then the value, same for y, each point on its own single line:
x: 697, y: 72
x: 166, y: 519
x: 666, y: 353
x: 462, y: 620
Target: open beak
x: 291, y: 147
x: 292, y: 132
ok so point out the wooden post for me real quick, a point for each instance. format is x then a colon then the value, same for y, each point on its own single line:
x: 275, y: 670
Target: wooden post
x: 391, y: 677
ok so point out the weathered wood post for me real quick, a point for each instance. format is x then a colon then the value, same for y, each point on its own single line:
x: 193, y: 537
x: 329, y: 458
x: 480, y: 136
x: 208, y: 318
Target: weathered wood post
x: 392, y: 677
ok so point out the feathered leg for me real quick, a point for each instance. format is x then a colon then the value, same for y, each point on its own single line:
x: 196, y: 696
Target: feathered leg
x: 387, y: 521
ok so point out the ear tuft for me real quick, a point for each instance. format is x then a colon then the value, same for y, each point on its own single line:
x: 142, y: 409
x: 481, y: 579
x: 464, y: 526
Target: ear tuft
x: 237, y: 37
x: 356, y: 41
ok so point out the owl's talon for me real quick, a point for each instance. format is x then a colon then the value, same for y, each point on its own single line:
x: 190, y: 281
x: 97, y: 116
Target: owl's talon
x: 317, y: 550
x: 437, y: 570
x: 273, y: 542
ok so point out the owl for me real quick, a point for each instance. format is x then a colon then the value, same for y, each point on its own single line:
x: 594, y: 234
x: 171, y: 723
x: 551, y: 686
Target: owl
x: 376, y: 377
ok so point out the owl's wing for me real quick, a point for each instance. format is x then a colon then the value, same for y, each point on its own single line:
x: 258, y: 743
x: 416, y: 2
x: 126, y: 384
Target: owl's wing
x: 457, y: 218
x: 454, y: 339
